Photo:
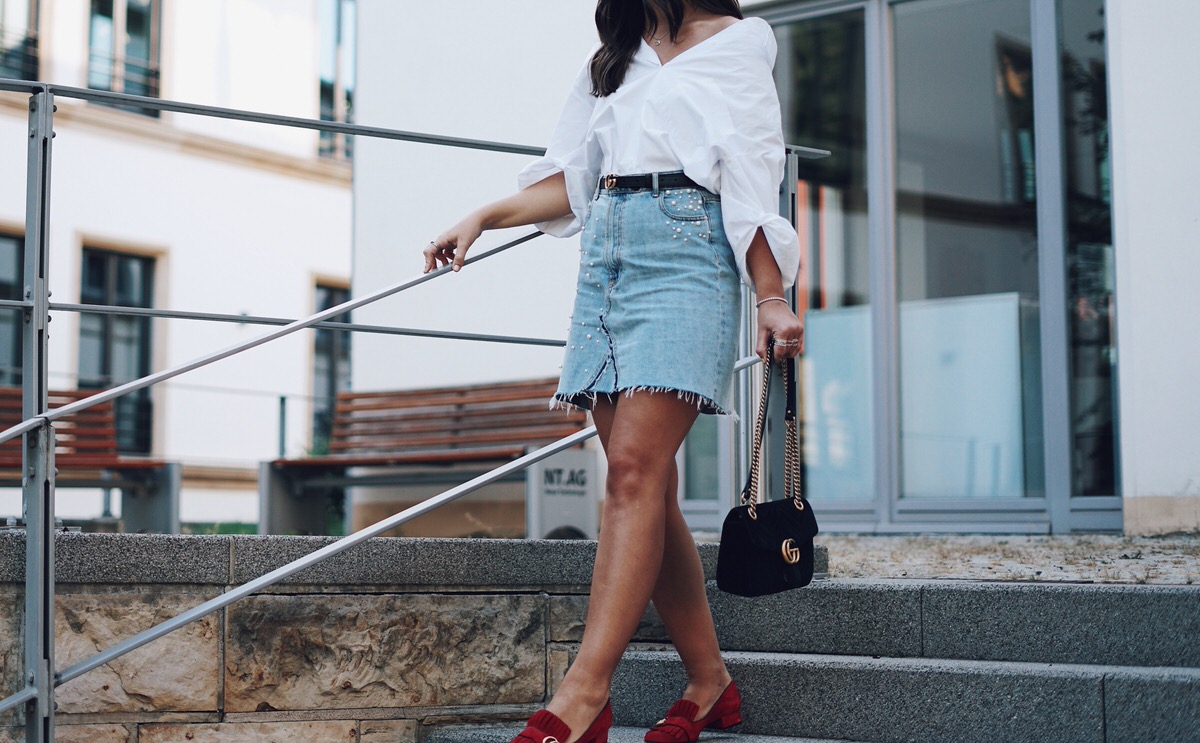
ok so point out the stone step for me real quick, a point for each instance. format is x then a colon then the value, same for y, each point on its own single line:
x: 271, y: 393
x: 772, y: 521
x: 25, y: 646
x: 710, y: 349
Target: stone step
x: 930, y: 700
x: 1127, y: 625
x: 492, y: 734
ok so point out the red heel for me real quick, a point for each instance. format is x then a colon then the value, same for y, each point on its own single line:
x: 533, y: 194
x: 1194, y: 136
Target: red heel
x: 545, y: 727
x: 727, y: 722
x: 681, y: 725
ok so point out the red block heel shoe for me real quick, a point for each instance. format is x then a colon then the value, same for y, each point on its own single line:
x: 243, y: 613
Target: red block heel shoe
x: 545, y: 727
x: 681, y: 725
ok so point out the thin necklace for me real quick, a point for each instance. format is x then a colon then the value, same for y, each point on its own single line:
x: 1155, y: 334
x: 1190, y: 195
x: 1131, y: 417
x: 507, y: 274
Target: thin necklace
x: 658, y: 39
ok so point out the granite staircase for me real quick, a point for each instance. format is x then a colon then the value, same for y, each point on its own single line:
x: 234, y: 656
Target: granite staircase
x: 931, y: 661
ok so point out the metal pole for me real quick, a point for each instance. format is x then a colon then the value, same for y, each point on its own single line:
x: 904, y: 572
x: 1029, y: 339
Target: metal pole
x: 282, y: 426
x: 1052, y: 263
x: 38, y: 456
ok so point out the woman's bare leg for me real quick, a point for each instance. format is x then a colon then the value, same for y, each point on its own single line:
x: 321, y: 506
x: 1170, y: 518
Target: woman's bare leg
x: 644, y: 431
x: 682, y: 603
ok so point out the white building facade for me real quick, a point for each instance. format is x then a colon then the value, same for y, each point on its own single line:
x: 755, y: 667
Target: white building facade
x: 180, y: 212
x: 997, y: 258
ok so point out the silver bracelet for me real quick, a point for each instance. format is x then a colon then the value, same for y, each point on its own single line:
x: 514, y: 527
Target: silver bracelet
x: 760, y: 302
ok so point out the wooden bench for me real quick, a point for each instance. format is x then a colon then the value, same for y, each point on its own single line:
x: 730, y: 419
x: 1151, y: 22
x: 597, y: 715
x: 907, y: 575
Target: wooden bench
x: 428, y: 436
x: 86, y: 456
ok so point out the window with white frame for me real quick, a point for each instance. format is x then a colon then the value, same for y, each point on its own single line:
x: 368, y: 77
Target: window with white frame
x: 336, y: 22
x: 123, y: 47
x: 19, y: 39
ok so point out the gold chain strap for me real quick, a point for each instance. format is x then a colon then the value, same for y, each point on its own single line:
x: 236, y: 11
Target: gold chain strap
x: 756, y: 452
x: 791, y: 456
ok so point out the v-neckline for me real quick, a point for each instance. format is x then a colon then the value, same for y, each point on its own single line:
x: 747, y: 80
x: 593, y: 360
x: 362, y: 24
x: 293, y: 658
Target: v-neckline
x: 702, y: 42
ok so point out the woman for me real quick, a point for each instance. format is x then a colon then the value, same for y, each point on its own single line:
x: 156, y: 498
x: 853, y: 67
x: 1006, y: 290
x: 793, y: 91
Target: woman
x: 679, y: 95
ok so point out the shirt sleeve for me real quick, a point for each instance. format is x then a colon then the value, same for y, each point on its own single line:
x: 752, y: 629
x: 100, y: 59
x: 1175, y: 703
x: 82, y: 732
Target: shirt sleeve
x: 751, y: 161
x: 567, y: 154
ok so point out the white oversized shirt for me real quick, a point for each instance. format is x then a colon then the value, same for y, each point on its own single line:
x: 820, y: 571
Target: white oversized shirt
x: 712, y: 112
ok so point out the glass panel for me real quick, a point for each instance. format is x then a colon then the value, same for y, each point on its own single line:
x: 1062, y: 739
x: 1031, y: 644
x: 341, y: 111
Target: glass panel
x: 141, y: 59
x: 100, y: 60
x: 821, y: 74
x: 1089, y: 248
x: 18, y: 40
x: 331, y: 366
x: 11, y: 323
x: 967, y: 253
x: 115, y: 349
x: 701, y: 478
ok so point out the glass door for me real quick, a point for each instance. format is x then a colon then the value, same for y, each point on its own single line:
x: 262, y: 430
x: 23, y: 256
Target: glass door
x: 821, y: 74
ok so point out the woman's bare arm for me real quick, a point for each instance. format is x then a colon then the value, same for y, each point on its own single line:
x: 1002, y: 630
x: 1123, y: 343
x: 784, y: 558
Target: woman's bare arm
x: 544, y: 201
x: 776, y: 321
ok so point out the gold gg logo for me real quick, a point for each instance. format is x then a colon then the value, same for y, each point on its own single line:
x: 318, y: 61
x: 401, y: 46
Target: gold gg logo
x: 791, y: 553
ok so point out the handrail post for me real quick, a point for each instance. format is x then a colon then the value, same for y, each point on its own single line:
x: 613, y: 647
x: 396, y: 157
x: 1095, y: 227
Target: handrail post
x: 38, y: 452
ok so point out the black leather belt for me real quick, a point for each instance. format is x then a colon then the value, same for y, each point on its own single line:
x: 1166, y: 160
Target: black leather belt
x: 645, y: 181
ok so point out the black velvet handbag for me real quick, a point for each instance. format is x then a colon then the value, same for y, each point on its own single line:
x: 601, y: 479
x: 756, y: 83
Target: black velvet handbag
x: 767, y: 547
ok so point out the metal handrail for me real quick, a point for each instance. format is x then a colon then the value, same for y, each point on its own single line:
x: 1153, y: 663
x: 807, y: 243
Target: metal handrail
x: 295, y: 122
x: 152, y: 379
x: 327, y: 325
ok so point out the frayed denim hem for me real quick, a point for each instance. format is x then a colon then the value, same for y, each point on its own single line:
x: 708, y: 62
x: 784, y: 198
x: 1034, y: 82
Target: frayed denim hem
x: 586, y: 400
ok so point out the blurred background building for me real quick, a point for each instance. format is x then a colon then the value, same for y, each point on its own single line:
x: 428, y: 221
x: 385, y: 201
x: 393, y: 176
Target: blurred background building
x: 169, y: 211
x: 1012, y: 191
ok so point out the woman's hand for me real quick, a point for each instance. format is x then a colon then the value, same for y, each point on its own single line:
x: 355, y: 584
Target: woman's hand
x: 450, y: 247
x: 544, y: 201
x: 780, y: 329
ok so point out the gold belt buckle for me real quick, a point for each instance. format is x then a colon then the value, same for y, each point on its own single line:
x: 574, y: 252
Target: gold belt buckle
x: 610, y: 180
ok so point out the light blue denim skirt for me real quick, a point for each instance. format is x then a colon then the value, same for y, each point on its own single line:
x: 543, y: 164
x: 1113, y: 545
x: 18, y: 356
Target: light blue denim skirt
x: 658, y: 301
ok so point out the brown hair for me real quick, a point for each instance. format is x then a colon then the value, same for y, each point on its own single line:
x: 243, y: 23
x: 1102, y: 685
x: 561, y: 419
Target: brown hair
x: 621, y: 24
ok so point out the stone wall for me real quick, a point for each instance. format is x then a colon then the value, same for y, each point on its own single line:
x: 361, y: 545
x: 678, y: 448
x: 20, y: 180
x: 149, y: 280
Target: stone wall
x: 374, y: 645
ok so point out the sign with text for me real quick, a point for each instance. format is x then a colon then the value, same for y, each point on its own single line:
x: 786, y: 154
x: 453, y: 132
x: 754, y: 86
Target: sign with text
x: 561, y: 496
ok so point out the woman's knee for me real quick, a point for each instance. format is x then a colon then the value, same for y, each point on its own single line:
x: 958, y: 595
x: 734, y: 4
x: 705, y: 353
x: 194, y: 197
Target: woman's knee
x: 636, y: 476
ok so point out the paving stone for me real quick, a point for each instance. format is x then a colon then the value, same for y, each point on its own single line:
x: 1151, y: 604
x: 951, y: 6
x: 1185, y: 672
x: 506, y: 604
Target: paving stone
x: 351, y: 652
x: 179, y: 672
x: 252, y: 732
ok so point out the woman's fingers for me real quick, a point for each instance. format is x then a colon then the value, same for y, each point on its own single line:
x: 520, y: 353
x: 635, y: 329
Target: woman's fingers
x: 781, y: 329
x: 440, y: 253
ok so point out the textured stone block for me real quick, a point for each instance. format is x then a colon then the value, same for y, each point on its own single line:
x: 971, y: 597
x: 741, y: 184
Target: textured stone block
x: 422, y: 562
x: 92, y: 734
x: 1153, y: 705
x: 838, y: 617
x: 329, y: 731
x: 388, y: 731
x: 124, y: 558
x: 892, y: 699
x: 351, y: 652
x: 12, y: 652
x: 568, y: 614
x: 1117, y: 625
x: 179, y: 672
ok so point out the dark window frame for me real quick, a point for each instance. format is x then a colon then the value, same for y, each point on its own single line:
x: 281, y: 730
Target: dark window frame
x: 135, y: 437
